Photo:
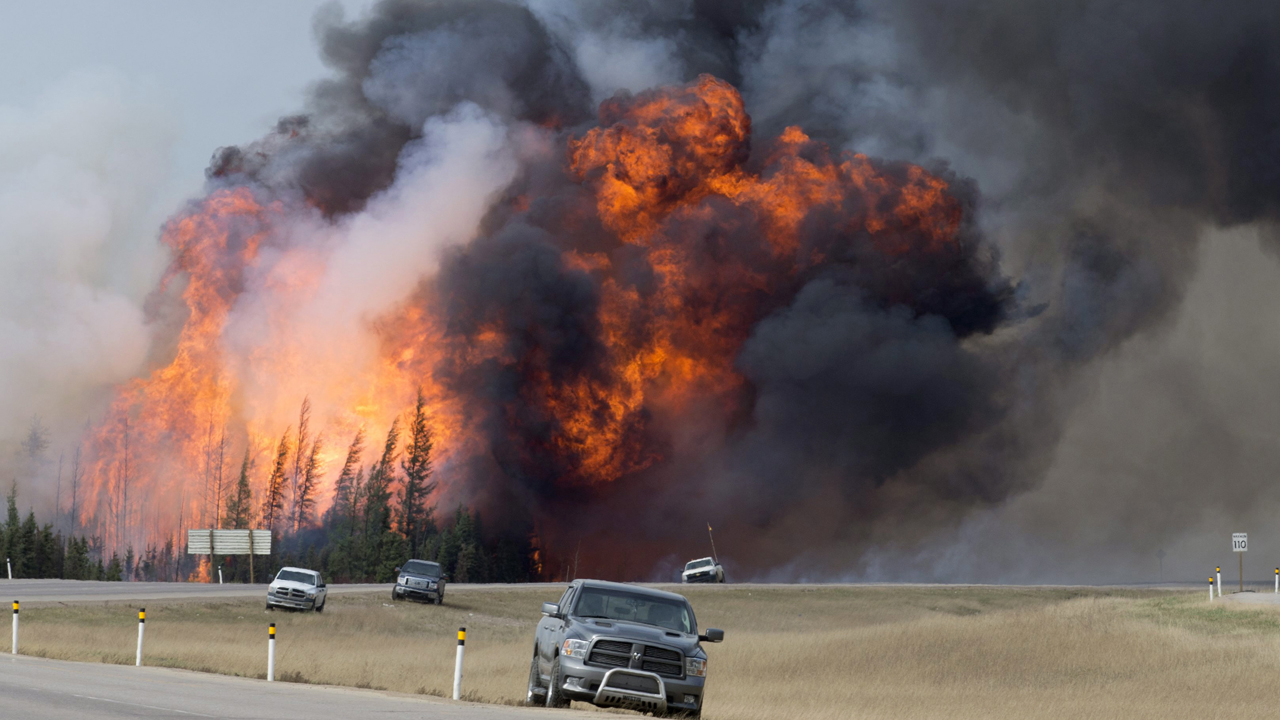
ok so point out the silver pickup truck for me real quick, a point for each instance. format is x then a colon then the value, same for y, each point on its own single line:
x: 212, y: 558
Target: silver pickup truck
x: 616, y: 645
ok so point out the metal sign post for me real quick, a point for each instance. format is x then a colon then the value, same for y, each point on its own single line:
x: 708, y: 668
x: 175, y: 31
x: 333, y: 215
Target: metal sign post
x: 1240, y: 545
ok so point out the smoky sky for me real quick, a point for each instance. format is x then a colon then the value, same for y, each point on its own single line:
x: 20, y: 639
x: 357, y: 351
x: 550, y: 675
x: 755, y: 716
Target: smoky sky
x: 1091, y: 146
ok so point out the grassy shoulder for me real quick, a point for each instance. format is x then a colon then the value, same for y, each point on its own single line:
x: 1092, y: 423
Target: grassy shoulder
x: 790, y: 652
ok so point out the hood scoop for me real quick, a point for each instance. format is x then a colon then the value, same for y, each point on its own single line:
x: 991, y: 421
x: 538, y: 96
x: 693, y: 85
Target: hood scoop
x: 603, y: 624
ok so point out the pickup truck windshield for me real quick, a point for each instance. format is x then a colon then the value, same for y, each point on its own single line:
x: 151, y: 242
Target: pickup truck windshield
x: 295, y: 576
x: 418, y: 567
x: 616, y: 605
x: 694, y: 565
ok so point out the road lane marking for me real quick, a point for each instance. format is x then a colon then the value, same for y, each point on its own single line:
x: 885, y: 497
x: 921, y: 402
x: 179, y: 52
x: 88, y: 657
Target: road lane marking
x: 149, y: 707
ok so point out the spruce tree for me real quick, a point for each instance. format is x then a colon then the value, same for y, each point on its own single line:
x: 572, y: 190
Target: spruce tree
x: 299, y: 464
x: 12, y: 531
x: 77, y: 564
x: 344, y: 487
x: 28, y: 536
x: 240, y: 501
x: 415, y: 515
x: 273, y: 498
x: 306, y: 496
x: 113, y: 571
x: 382, y: 549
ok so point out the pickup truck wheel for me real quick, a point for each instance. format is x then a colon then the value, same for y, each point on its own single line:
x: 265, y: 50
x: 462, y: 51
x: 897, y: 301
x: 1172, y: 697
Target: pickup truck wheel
x: 394, y: 596
x: 555, y: 698
x: 536, y: 694
x: 320, y: 607
x: 439, y: 599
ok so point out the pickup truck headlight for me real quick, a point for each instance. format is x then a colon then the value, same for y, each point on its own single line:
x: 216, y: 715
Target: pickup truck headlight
x: 403, y: 580
x: 311, y: 595
x: 695, y: 667
x: 575, y: 648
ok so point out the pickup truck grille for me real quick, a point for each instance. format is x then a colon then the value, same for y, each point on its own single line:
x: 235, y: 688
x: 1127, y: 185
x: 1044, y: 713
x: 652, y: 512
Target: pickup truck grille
x: 599, y: 658
x: 654, y: 659
x: 290, y: 593
x: 651, y: 651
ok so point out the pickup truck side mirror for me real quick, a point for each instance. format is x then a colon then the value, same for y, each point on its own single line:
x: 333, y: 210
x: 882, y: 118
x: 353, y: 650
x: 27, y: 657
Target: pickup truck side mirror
x: 551, y: 609
x: 713, y: 635
x: 397, y: 569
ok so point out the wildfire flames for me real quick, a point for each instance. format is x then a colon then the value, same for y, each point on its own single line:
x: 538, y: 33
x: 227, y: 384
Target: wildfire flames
x: 668, y: 240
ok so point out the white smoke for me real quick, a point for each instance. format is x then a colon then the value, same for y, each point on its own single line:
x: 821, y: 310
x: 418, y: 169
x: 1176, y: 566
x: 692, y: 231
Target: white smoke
x: 373, y: 260
x: 78, y: 168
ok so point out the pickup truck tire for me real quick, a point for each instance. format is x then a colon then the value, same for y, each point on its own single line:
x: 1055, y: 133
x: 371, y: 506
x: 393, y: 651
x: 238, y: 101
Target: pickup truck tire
x: 395, y: 597
x: 320, y: 607
x: 555, y: 698
x: 439, y: 599
x: 536, y: 695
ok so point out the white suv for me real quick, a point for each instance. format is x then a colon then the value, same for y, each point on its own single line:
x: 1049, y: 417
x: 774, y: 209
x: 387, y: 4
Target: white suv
x: 296, y: 588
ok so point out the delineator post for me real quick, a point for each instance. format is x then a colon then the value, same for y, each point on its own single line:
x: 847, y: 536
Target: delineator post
x: 457, y: 668
x: 142, y: 625
x: 271, y: 653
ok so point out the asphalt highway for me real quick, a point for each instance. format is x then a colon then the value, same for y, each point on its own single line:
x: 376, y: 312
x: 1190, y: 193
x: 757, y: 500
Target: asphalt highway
x: 37, y: 591
x: 41, y: 689
x: 64, y: 591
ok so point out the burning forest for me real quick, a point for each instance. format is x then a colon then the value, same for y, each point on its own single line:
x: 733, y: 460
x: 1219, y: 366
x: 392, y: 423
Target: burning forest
x: 480, y: 271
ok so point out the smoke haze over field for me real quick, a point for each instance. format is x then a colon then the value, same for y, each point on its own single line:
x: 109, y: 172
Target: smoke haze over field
x: 891, y: 290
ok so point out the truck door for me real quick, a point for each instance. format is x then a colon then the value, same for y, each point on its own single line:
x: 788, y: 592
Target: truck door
x: 551, y: 632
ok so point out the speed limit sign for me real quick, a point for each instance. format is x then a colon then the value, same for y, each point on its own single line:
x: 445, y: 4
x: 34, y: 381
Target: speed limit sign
x: 1240, y: 542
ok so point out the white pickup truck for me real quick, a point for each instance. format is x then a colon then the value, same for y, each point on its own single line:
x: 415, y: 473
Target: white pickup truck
x: 298, y: 589
x: 702, y: 570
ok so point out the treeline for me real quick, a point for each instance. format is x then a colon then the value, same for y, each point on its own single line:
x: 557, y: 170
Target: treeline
x: 36, y: 551
x: 381, y: 513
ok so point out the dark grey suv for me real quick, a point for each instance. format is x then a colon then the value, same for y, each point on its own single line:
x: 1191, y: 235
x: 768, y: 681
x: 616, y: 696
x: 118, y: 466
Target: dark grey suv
x: 420, y: 580
x: 616, y: 645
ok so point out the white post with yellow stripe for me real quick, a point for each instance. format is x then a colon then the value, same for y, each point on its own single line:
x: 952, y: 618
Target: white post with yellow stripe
x: 15, y: 628
x: 271, y: 653
x: 457, y: 668
x: 142, y: 625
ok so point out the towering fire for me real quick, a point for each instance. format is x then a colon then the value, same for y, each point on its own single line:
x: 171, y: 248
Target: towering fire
x: 585, y: 345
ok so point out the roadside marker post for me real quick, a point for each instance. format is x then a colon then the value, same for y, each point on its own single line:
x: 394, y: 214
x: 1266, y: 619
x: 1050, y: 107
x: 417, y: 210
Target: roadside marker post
x: 1218, y: 571
x: 457, y: 668
x: 14, y: 651
x: 219, y: 574
x: 271, y: 653
x: 1210, y: 588
x: 1278, y: 580
x: 142, y: 624
x: 8, y: 566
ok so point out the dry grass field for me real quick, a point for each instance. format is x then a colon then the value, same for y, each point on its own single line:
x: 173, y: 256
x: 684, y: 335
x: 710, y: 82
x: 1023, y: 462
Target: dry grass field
x: 790, y: 652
